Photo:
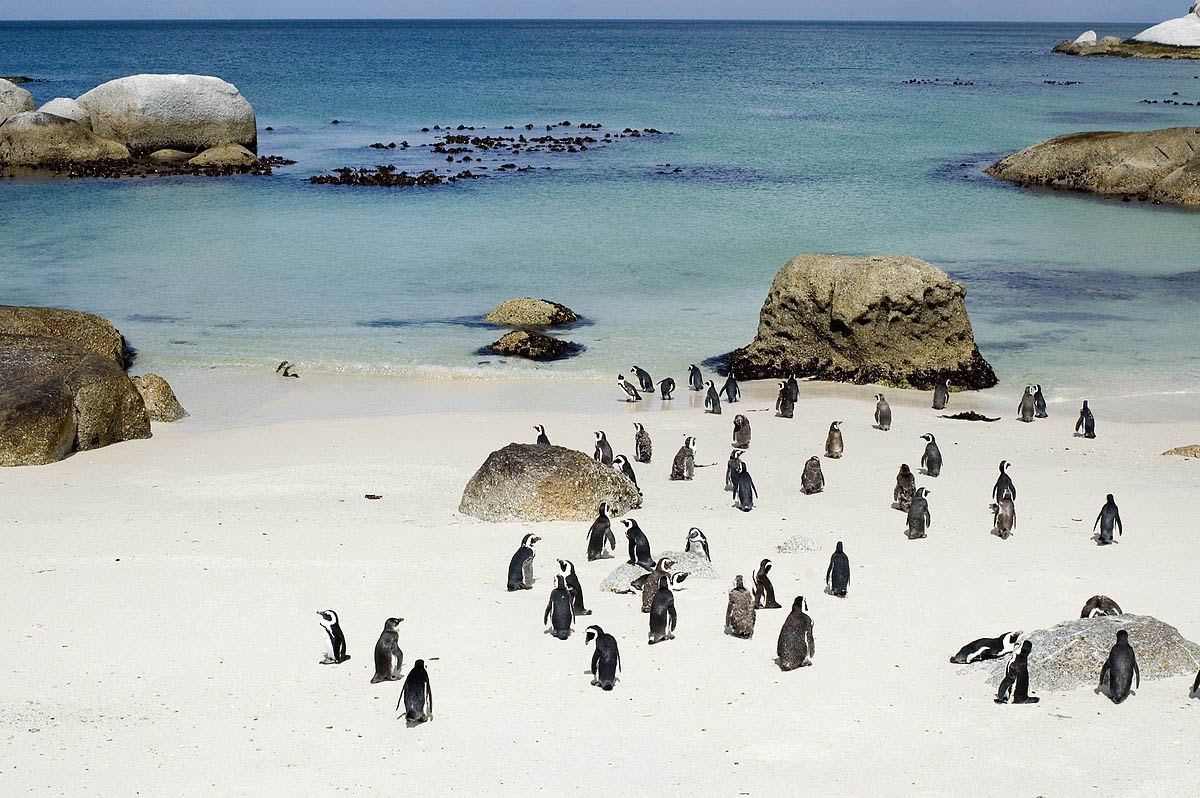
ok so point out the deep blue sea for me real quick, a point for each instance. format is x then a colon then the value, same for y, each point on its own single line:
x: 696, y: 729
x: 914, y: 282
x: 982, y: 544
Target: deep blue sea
x: 788, y: 137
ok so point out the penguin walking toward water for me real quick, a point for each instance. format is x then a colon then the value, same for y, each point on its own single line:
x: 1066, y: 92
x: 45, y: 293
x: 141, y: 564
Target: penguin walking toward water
x: 987, y: 648
x: 1004, y: 487
x: 931, y: 460
x: 785, y: 405
x: 642, y: 446
x: 1039, y: 403
x: 796, y: 646
x: 746, y: 493
x: 603, y: 452
x: 567, y: 571
x: 1026, y: 409
x: 542, y: 440
x: 793, y: 388
x: 643, y: 377
x: 712, y: 400
x: 662, y: 613
x: 695, y: 378
x: 520, y: 567
x: 941, y: 395
x: 559, y: 611
x: 739, y: 612
x: 731, y: 389
x: 1016, y: 678
x: 1099, y: 606
x: 833, y: 441
x: 1086, y: 422
x: 1120, y: 669
x: 1004, y: 518
x: 741, y: 432
x: 883, y: 413
x: 837, y: 575
x: 918, y: 515
x: 621, y: 463
x: 417, y: 696
x: 812, y: 480
x: 336, y: 654
x: 665, y: 388
x: 697, y: 544
x: 388, y: 656
x: 1109, y: 517
x: 764, y: 591
x: 606, y: 659
x: 684, y: 464
x: 600, y: 535
x: 906, y: 488
x: 628, y: 388
x: 639, y: 545
x: 732, y: 469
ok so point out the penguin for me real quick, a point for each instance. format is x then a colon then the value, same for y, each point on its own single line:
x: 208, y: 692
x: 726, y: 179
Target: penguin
x: 883, y: 413
x: 812, y: 480
x: 666, y: 388
x: 732, y: 469
x: 559, y: 612
x: 1026, y: 409
x: 739, y: 612
x: 987, y: 648
x: 336, y: 654
x: 941, y: 395
x: 650, y: 583
x: 731, y: 389
x: 639, y: 545
x: 906, y: 488
x: 697, y: 544
x: 1004, y: 487
x: 1086, y: 421
x: 918, y: 515
x: 1039, y: 403
x: 793, y: 387
x: 833, y: 441
x: 600, y: 535
x: 642, y: 446
x: 643, y: 378
x: 741, y: 431
x: 627, y: 387
x: 1195, y: 687
x: 606, y: 659
x: 1004, y: 518
x: 1016, y: 678
x: 662, y: 613
x: 712, y: 400
x: 785, y: 405
x: 542, y: 440
x: 520, y: 567
x: 746, y: 493
x: 417, y: 696
x: 837, y: 576
x: 388, y: 656
x: 695, y: 378
x: 567, y: 569
x: 621, y: 463
x: 1109, y: 516
x: 1099, y: 605
x: 603, y: 453
x: 931, y: 460
x: 1121, y: 667
x: 684, y: 464
x: 764, y: 591
x: 284, y: 369
x: 796, y: 645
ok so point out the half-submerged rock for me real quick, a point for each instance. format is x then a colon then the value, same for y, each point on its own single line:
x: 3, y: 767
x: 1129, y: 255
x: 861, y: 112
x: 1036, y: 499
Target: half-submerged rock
x: 533, y: 345
x: 161, y: 402
x: 89, y: 331
x: 1175, y: 38
x: 528, y: 482
x: 876, y: 318
x: 34, y: 138
x: 531, y: 313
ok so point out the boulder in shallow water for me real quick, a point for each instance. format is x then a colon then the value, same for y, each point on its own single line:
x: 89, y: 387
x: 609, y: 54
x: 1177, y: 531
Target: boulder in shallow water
x: 170, y: 156
x: 872, y: 318
x: 91, y: 332
x: 68, y: 109
x: 528, y: 482
x: 1087, y: 37
x: 531, y: 313
x: 160, y: 400
x: 533, y: 345
x: 35, y: 138
x: 14, y: 99
x: 226, y: 154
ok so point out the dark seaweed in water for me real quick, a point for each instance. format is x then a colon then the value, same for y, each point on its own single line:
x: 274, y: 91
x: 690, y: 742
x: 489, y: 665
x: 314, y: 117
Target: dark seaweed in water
x: 133, y: 167
x: 970, y: 415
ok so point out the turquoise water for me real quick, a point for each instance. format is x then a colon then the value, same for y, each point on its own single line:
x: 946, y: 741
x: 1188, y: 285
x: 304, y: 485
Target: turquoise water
x: 791, y: 137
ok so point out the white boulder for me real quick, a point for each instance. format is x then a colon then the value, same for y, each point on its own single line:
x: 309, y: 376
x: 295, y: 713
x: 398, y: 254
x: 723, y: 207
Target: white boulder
x: 34, y: 138
x: 1087, y: 37
x: 67, y: 109
x: 13, y: 99
x: 1179, y: 32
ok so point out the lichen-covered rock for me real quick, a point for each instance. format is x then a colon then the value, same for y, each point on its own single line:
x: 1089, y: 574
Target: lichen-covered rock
x: 68, y: 109
x: 160, y: 400
x: 34, y: 138
x: 14, y: 100
x: 58, y: 397
x: 528, y: 482
x: 1185, y: 451
x: 875, y: 318
x: 531, y: 313
x: 695, y: 566
x: 533, y: 346
x: 226, y: 154
x: 89, y: 331
x: 1071, y: 654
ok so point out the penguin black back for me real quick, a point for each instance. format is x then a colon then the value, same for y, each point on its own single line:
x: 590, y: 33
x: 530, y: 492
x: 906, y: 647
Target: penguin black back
x: 837, y: 576
x: 1086, y: 421
x: 796, y: 646
x: 1109, y: 519
x: 417, y: 696
x: 785, y: 404
x: 1120, y: 668
x: 606, y: 659
x: 764, y: 591
x: 666, y: 388
x: 662, y: 613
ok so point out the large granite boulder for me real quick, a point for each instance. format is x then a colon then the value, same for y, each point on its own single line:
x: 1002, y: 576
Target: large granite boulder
x: 68, y: 109
x: 531, y: 313
x: 1070, y: 655
x: 182, y: 112
x: 878, y: 318
x: 14, y: 99
x: 34, y: 138
x: 160, y: 400
x: 91, y: 332
x: 57, y: 397
x: 528, y: 482
x: 1157, y: 164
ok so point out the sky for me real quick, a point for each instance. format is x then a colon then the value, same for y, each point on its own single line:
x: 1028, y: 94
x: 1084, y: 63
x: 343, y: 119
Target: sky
x: 1014, y: 10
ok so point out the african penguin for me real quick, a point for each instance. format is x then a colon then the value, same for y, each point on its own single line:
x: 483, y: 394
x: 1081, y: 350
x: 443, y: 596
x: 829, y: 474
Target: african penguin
x: 1099, y: 605
x: 599, y: 534
x: 1004, y: 487
x: 336, y: 654
x: 662, y: 613
x: 1039, y: 403
x: 643, y: 378
x: 785, y: 405
x: 918, y: 515
x: 697, y: 544
x: 812, y: 480
x: 1025, y: 409
x: 739, y: 612
x: 745, y: 491
x: 732, y: 468
x: 764, y: 591
x: 941, y: 395
x: 650, y: 583
x: 627, y: 388
x: 1004, y: 518
x: 567, y: 569
x: 837, y: 576
x: 987, y: 648
x: 684, y: 464
x: 695, y: 378
x: 712, y: 400
x: 1016, y: 678
x: 1109, y: 517
x: 606, y: 659
x: 833, y: 441
x: 796, y: 646
x: 666, y: 388
x: 1196, y: 686
x: 639, y: 545
x: 417, y: 696
x: 793, y: 387
x: 906, y: 488
x: 1120, y: 669
x: 559, y: 612
x: 388, y: 656
x: 520, y: 567
x: 741, y: 432
x: 642, y: 446
x: 883, y: 413
x: 542, y: 440
x: 931, y: 460
x: 603, y: 453
x: 731, y: 389
x: 1086, y: 422
x: 621, y: 463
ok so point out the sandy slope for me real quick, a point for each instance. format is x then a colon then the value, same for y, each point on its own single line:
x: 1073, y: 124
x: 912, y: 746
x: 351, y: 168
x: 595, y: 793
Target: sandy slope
x: 159, y: 606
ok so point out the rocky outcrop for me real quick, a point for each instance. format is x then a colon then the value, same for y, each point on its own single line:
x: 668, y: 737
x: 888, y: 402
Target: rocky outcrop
x: 68, y: 109
x: 183, y: 112
x: 533, y: 346
x: 1113, y: 46
x: 91, y: 332
x: 34, y: 138
x: 160, y: 400
x: 531, y: 314
x: 881, y: 318
x: 1162, y: 165
x: 58, y: 397
x: 1179, y: 32
x: 13, y: 100
x: 226, y: 154
x: 528, y: 482
x: 1184, y: 451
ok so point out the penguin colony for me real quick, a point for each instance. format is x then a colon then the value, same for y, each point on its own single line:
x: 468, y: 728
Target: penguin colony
x: 796, y: 646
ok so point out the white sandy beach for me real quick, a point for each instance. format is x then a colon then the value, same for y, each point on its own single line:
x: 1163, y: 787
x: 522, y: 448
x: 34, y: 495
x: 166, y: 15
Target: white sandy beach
x: 160, y: 597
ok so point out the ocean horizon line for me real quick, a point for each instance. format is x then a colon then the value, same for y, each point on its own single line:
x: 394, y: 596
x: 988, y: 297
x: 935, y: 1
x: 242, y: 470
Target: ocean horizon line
x: 593, y: 20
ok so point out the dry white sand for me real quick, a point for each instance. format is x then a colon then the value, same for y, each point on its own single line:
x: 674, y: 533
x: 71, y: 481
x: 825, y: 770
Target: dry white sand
x: 159, y: 603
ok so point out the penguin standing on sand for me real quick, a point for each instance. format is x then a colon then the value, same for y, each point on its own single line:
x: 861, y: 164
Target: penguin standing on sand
x: 941, y: 395
x: 643, y: 378
x: 731, y: 389
x: 417, y: 696
x: 662, y: 613
x: 746, y: 493
x: 665, y: 388
x: 606, y: 659
x: 336, y: 654
x: 603, y: 452
x: 732, y: 469
x: 1026, y: 409
x: 388, y: 656
x: 918, y: 515
x: 642, y: 446
x: 649, y: 583
x: 520, y: 567
x: 697, y: 544
x: 1004, y: 518
x: 639, y: 545
x: 1086, y: 422
x: 559, y: 613
x: 695, y: 378
x: 764, y: 591
x: 785, y: 405
x: 567, y: 570
x: 796, y: 646
x: 741, y: 432
x: 542, y: 440
x: 833, y: 441
x: 627, y: 387
x: 621, y: 463
x: 883, y: 413
x: 1120, y: 668
x: 739, y: 612
x: 1098, y: 606
x: 1004, y: 487
x: 684, y: 464
x: 837, y: 576
x: 600, y: 535
x: 1016, y: 678
x: 931, y: 460
x: 1039, y: 403
x: 1109, y: 517
x: 906, y: 487
x: 712, y: 400
x: 987, y: 648
x: 812, y: 480
x: 793, y: 387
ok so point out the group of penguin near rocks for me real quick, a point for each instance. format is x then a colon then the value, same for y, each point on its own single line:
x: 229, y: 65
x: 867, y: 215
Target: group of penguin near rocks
x: 796, y: 646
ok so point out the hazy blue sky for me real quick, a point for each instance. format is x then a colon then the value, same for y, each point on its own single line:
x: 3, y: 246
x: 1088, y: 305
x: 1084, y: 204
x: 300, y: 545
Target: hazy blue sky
x: 1048, y: 10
